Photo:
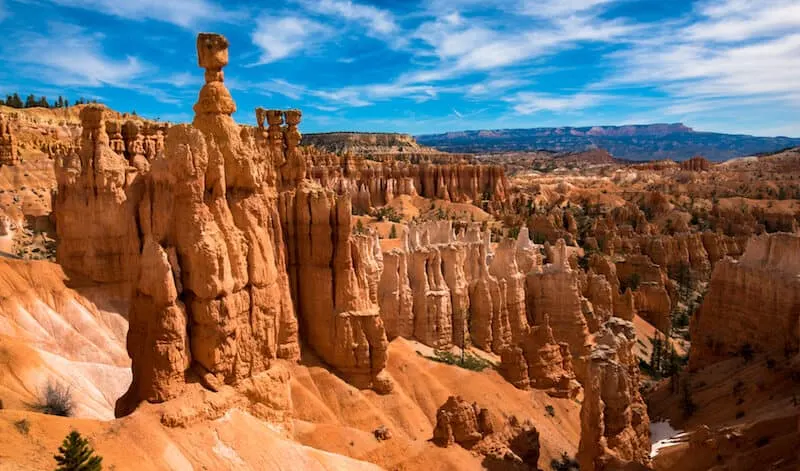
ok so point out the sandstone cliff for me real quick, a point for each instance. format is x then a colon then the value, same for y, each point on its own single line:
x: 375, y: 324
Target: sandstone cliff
x: 9, y: 155
x: 226, y: 243
x: 615, y: 431
x: 752, y: 303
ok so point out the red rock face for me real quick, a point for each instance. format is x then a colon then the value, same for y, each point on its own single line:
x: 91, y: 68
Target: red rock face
x: 201, y: 231
x: 615, y: 430
x: 377, y: 183
x: 8, y: 143
x: 754, y: 301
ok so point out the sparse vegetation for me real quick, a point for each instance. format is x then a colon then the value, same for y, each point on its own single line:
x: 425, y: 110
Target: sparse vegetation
x: 393, y: 232
x: 746, y: 352
x: 56, y: 399
x: 387, y: 213
x: 466, y: 360
x: 566, y: 463
x: 22, y: 426
x: 551, y: 412
x: 75, y: 454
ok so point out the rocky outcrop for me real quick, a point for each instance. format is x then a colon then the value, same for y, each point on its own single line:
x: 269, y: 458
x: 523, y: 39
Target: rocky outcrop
x: 9, y: 154
x: 696, y: 164
x: 553, y: 290
x: 752, y: 303
x: 450, y: 282
x: 462, y: 423
x: 212, y: 291
x: 96, y: 205
x: 372, y: 184
x: 650, y: 294
x: 513, y: 445
x: 335, y: 279
x: 614, y: 423
x: 230, y: 249
x: 538, y: 361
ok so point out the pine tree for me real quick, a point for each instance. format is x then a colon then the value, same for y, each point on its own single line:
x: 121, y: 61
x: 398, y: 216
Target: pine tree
x: 75, y: 454
x: 43, y: 102
x: 31, y: 102
x: 17, y: 101
x: 393, y: 232
x: 60, y: 102
x: 66, y: 103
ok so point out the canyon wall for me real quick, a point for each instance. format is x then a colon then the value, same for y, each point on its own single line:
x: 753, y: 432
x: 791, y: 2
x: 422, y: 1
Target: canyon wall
x: 225, y: 243
x: 752, y: 303
x: 8, y: 143
x: 372, y: 184
x: 615, y: 431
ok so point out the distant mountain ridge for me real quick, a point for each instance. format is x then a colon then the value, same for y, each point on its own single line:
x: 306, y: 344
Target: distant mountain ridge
x: 632, y: 142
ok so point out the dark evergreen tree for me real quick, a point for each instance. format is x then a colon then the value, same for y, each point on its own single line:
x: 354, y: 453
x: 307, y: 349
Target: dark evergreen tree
x: 31, y: 102
x: 44, y: 103
x: 75, y: 454
x: 60, y: 102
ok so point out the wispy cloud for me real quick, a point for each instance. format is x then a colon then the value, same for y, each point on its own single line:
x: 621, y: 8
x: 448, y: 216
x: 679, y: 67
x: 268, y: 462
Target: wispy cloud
x: 530, y: 102
x: 281, y: 37
x: 70, y: 56
x: 184, y: 13
x: 377, y: 21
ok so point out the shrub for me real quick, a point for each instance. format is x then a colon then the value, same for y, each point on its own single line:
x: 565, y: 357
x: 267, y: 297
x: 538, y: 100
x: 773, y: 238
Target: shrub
x: 746, y: 351
x: 23, y: 426
x: 359, y: 229
x: 75, y: 454
x: 467, y: 361
x: 393, y: 232
x: 56, y: 399
x: 565, y: 463
x: 551, y: 412
x: 688, y: 405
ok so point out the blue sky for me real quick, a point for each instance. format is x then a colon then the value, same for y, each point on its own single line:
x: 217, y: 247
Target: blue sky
x: 423, y: 67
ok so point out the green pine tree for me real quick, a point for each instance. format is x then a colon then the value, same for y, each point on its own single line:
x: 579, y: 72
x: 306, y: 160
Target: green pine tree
x: 75, y: 454
x: 393, y: 232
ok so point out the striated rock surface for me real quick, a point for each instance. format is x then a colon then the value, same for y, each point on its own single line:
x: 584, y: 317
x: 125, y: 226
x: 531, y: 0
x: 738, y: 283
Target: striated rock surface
x: 649, y: 283
x: 455, y: 299
x: 553, y: 291
x: 335, y: 280
x: 9, y: 155
x: 229, y: 248
x: 371, y: 184
x: 753, y: 302
x: 539, y: 362
x: 513, y: 446
x: 96, y: 206
x: 615, y: 430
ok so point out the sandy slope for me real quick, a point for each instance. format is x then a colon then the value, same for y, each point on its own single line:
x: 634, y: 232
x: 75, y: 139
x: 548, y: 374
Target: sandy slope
x: 49, y: 332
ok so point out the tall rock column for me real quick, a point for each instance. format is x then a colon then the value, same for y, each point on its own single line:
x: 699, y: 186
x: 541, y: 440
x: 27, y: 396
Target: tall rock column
x: 335, y: 277
x: 615, y: 428
x: 95, y: 207
x: 212, y: 295
x: 8, y: 143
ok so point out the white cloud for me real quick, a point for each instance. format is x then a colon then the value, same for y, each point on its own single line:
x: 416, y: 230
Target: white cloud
x: 378, y: 21
x: 738, y: 20
x: 68, y: 56
x: 530, y: 102
x: 281, y: 37
x: 560, y: 8
x: 184, y: 13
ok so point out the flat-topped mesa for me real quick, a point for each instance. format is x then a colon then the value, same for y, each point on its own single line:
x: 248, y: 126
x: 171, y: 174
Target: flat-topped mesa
x: 9, y: 154
x: 752, y: 304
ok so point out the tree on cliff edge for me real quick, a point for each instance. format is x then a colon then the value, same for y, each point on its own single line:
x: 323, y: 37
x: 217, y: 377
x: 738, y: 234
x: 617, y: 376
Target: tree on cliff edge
x: 75, y: 454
